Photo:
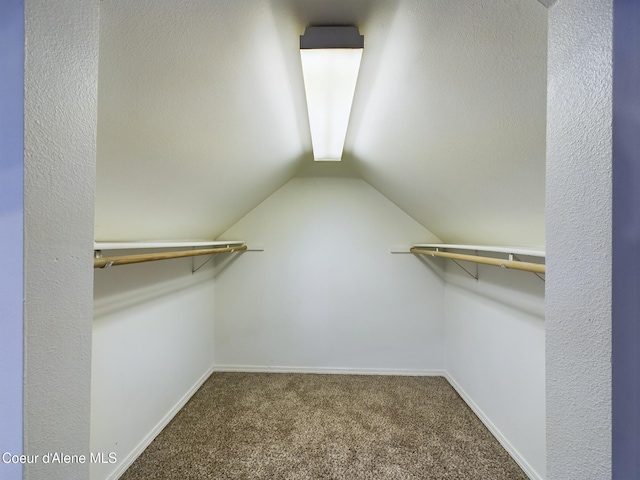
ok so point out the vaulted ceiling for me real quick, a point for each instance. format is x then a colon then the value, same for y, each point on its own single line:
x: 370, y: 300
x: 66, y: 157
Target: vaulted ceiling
x: 202, y: 113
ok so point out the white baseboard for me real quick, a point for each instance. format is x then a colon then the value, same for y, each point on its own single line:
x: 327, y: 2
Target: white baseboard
x: 519, y: 459
x: 328, y: 370
x: 126, y: 463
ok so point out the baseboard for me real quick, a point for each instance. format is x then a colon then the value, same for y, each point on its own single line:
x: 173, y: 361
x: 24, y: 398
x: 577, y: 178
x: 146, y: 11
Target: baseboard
x: 126, y: 463
x: 328, y: 370
x: 519, y: 459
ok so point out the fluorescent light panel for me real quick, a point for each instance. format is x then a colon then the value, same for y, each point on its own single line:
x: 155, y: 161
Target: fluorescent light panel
x: 330, y: 64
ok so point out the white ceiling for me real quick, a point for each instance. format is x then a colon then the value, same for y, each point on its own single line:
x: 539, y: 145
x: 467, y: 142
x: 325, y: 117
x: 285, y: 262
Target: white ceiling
x: 202, y: 114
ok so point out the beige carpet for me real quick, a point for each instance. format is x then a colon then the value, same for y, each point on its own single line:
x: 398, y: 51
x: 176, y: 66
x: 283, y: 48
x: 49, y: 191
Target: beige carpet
x: 303, y: 426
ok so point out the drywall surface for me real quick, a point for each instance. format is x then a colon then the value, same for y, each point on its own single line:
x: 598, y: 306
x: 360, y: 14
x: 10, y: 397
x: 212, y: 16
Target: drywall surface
x: 454, y: 93
x: 61, y: 73
x: 201, y: 118
x: 578, y: 288
x: 152, y: 345
x: 11, y: 226
x: 202, y: 103
x: 495, y: 355
x: 326, y: 293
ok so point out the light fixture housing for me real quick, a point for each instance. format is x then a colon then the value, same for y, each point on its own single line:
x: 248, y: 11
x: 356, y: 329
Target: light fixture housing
x: 330, y: 64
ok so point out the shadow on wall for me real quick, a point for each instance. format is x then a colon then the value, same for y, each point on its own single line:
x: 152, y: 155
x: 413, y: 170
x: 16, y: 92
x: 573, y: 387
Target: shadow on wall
x: 223, y: 261
x: 436, y: 265
x: 523, y: 291
x: 129, y: 286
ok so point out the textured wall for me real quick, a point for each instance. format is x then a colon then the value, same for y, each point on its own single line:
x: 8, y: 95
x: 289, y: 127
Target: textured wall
x: 11, y: 225
x: 152, y: 345
x: 578, y: 289
x: 61, y: 67
x: 326, y: 293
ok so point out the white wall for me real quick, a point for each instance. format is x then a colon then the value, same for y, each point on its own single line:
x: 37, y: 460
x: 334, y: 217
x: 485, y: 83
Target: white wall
x: 61, y: 72
x: 578, y: 289
x: 326, y: 293
x: 494, y: 331
x: 152, y: 347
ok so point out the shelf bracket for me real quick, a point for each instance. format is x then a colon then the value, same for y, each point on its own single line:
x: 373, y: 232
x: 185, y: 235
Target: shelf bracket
x: 194, y: 269
x: 475, y: 277
x: 512, y: 256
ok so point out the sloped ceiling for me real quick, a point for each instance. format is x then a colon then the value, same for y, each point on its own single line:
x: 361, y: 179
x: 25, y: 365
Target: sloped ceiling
x: 202, y: 114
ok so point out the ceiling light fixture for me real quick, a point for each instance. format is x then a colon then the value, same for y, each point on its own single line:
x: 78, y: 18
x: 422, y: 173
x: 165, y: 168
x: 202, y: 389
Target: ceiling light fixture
x: 330, y: 63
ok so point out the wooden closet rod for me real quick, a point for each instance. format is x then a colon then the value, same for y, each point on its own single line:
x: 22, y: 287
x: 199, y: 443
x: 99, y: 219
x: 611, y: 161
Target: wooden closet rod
x: 498, y: 262
x: 150, y: 257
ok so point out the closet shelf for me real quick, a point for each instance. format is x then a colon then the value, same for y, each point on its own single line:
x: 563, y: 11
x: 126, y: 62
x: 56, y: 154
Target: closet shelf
x: 531, y: 252
x: 104, y: 262
x: 435, y: 250
x: 143, y: 245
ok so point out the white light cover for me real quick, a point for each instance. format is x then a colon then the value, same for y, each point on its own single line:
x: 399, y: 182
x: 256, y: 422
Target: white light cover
x: 329, y: 81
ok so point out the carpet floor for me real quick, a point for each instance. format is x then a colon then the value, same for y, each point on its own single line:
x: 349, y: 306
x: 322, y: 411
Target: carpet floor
x: 306, y: 426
